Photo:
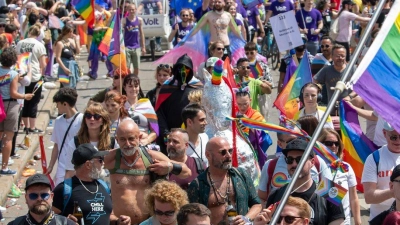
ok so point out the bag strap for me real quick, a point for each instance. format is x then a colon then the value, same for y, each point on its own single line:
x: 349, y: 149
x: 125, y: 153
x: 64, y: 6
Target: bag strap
x: 67, y: 192
x: 271, y: 169
x: 102, y: 182
x: 66, y: 133
x: 377, y: 157
x: 147, y: 160
x: 199, y: 165
x: 317, y: 165
x: 112, y: 144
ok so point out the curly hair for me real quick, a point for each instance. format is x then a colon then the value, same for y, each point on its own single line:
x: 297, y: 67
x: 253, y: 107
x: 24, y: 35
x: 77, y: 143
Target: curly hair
x: 8, y: 57
x: 195, y: 96
x: 104, y: 137
x: 165, y: 192
x: 118, y: 98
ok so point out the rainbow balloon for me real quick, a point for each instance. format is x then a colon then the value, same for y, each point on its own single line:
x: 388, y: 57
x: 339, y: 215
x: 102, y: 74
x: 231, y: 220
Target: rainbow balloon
x: 217, y: 72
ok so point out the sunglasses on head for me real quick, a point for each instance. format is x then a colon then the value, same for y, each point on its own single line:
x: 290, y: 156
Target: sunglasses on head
x: 161, y: 213
x: 394, y: 137
x: 90, y: 116
x: 288, y: 219
x: 166, y: 66
x: 249, y: 53
x: 330, y: 143
x: 223, y: 152
x: 34, y: 196
x: 325, y: 46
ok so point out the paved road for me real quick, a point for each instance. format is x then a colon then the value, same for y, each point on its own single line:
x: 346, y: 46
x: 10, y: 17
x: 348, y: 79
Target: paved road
x: 86, y: 89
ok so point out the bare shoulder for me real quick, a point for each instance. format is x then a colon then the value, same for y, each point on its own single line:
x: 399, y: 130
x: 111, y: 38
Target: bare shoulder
x: 109, y: 159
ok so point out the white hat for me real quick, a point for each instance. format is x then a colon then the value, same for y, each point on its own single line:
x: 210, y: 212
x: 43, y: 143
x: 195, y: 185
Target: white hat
x: 13, y: 7
x: 387, y: 126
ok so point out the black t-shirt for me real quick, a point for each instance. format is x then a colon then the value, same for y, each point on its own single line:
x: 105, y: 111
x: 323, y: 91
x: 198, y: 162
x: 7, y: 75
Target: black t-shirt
x: 332, y: 212
x: 23, y: 221
x: 382, y: 17
x: 96, y: 207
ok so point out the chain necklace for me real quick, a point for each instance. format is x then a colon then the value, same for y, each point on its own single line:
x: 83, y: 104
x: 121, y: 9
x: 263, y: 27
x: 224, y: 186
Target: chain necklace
x: 48, y: 220
x: 217, y: 191
x: 97, y: 189
x: 132, y: 164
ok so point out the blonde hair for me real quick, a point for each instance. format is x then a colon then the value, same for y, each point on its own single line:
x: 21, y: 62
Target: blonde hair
x: 324, y: 134
x: 301, y: 205
x: 195, y: 96
x: 165, y: 192
x: 34, y: 30
x: 104, y: 136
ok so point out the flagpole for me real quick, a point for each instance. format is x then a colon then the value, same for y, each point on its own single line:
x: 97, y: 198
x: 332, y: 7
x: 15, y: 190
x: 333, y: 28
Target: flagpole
x: 122, y: 37
x: 340, y: 86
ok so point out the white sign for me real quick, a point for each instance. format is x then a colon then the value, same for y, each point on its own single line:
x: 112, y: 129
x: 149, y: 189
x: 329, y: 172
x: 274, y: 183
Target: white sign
x: 286, y: 31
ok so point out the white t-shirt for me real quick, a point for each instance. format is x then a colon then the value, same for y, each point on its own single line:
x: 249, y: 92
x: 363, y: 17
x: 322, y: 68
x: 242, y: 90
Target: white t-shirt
x: 379, y: 138
x: 281, y: 176
x: 388, y: 160
x: 60, y: 127
x: 345, y: 31
x: 346, y: 180
x: 38, y: 50
x: 200, y: 149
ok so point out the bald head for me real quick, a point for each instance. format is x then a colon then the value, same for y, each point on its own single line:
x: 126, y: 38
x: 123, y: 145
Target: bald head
x: 216, y: 143
x: 127, y: 126
x: 128, y: 136
x: 219, y: 153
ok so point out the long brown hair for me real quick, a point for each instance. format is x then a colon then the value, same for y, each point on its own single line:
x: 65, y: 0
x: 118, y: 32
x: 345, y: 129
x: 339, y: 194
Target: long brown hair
x: 65, y: 31
x: 118, y: 98
x: 104, y: 136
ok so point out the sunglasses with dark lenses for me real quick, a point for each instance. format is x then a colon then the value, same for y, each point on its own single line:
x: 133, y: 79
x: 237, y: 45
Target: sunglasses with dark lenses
x: 394, y: 137
x: 289, y: 160
x: 220, y: 49
x: 34, y: 196
x: 2, y: 25
x: 166, y: 66
x: 185, y: 15
x: 95, y: 116
x: 116, y: 77
x: 288, y: 219
x: 330, y: 143
x: 101, y: 160
x: 245, y: 67
x: 223, y: 152
x: 161, y: 213
x: 249, y: 53
x: 325, y: 46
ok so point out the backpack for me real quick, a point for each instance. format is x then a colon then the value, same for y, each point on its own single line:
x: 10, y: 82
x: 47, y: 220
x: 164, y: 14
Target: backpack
x: 376, y: 157
x: 334, y: 30
x: 272, y: 165
x: 199, y: 165
x: 76, y: 141
x: 68, y: 191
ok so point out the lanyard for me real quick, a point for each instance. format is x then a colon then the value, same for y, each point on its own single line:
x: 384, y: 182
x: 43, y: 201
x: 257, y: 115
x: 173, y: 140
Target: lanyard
x: 201, y: 150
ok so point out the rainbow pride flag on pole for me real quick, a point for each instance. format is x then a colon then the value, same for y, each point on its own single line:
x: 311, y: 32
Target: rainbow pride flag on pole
x: 85, y: 9
x: 104, y: 46
x: 377, y: 78
x: 357, y: 146
x: 287, y: 101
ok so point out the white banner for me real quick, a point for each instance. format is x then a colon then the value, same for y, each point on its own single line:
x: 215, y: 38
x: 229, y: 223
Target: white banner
x: 286, y: 31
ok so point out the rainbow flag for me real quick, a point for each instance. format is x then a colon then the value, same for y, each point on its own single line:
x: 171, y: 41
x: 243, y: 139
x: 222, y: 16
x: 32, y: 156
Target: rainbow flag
x: 330, y: 190
x: 85, y: 9
x: 256, y: 70
x: 55, y: 22
x: 104, y: 46
x: 82, y: 34
x: 63, y: 78
x: 377, y: 77
x: 357, y: 146
x: 117, y: 46
x: 22, y: 62
x: 287, y: 101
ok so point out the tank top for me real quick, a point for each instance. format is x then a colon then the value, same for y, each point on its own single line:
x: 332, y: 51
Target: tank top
x: 131, y: 37
x: 182, y: 31
x: 67, y: 52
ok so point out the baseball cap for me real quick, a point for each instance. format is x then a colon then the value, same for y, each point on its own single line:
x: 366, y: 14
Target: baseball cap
x: 86, y: 152
x: 13, y: 7
x: 297, y: 144
x: 347, y: 2
x: 395, y: 173
x: 37, y: 179
x: 387, y: 126
x: 211, y: 61
x: 3, y: 21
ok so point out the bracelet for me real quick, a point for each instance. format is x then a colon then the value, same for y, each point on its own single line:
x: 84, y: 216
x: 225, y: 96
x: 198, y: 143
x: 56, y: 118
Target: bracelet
x: 176, y: 169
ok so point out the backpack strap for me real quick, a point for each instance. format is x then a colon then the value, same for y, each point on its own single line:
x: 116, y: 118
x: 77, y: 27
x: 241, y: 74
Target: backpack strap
x: 102, y: 182
x: 147, y: 160
x: 317, y: 165
x: 112, y: 144
x: 67, y: 192
x: 76, y: 141
x: 377, y: 157
x: 199, y: 165
x: 270, y: 171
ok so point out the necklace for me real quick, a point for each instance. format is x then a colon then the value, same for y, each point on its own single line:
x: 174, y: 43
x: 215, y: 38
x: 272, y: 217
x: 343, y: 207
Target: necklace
x: 217, y: 191
x: 130, y: 165
x: 48, y: 220
x: 97, y: 189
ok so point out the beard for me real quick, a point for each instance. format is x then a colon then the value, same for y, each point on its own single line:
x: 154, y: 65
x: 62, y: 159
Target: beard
x: 95, y: 173
x: 224, y: 165
x: 174, y: 153
x: 40, y: 209
x: 218, y: 8
x: 129, y: 150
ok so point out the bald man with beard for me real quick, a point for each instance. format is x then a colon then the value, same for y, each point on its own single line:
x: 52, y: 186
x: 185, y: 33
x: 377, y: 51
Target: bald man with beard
x: 133, y: 169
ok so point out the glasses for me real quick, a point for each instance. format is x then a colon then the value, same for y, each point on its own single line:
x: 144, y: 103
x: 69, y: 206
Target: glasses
x: 288, y: 219
x: 185, y: 15
x: 325, y: 46
x: 249, y: 53
x: 245, y: 67
x: 220, y: 49
x: 166, y: 66
x: 34, y: 196
x: 101, y: 160
x: 289, y: 160
x: 223, y: 152
x: 394, y: 137
x: 2, y: 25
x: 166, y: 213
x: 331, y: 143
x: 90, y: 116
x: 116, y: 77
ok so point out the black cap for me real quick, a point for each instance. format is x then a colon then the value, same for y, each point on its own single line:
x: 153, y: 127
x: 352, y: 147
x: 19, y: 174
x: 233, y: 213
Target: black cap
x: 86, y: 152
x: 37, y: 179
x: 297, y: 144
x: 395, y: 173
x: 347, y: 2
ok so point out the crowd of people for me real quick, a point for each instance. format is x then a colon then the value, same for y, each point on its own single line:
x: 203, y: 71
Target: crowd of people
x: 173, y: 155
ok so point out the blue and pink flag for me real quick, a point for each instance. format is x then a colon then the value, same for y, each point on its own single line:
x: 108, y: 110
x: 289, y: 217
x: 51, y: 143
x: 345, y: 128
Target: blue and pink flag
x: 377, y: 78
x: 287, y: 101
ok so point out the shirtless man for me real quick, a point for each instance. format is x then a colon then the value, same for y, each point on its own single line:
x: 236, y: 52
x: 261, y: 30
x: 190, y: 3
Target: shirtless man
x: 221, y: 185
x: 129, y: 169
x: 218, y: 21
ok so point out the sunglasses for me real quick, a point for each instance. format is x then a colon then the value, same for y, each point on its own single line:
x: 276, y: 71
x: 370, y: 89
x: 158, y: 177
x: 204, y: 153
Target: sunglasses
x: 90, y: 116
x: 325, y: 46
x: 220, y: 49
x: 185, y: 15
x: 116, y: 77
x: 330, y: 143
x: 101, y: 160
x: 223, y: 152
x: 249, y: 53
x: 289, y: 160
x: 288, y: 219
x: 34, y: 196
x: 394, y: 137
x: 161, y: 213
x: 245, y: 67
x: 2, y: 25
x: 166, y: 66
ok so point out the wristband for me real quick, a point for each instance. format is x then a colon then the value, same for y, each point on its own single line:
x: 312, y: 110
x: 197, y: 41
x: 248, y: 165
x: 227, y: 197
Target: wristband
x: 176, y: 169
